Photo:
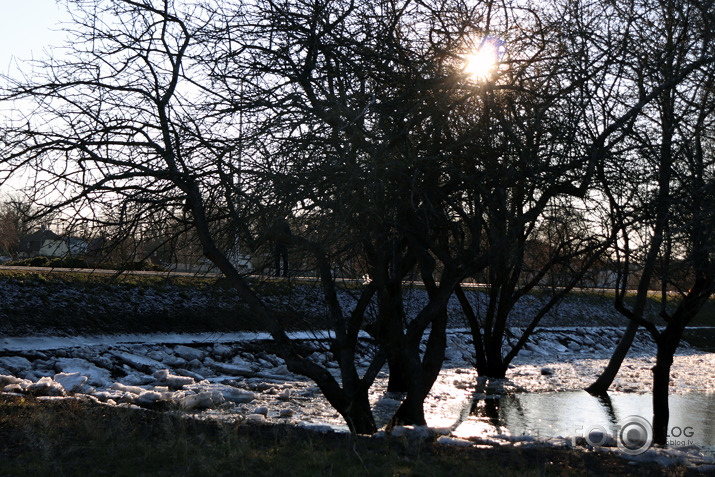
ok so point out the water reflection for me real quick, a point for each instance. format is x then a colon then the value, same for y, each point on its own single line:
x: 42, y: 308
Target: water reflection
x: 576, y: 413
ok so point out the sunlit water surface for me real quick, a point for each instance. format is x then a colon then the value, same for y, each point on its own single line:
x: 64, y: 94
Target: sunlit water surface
x: 577, y: 413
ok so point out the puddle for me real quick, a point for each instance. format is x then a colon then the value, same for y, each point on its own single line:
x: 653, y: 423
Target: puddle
x: 577, y: 413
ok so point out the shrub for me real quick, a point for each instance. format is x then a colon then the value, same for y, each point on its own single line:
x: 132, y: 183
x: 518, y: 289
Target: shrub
x: 74, y: 262
x: 38, y: 262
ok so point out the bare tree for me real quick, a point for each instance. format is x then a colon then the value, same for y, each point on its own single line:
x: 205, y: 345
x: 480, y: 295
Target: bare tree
x: 350, y: 85
x: 665, y: 228
x: 354, y: 121
x: 130, y: 123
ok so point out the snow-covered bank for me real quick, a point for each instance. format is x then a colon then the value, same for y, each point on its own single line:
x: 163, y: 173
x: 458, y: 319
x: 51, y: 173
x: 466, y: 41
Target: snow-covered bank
x: 231, y: 376
x: 553, y: 359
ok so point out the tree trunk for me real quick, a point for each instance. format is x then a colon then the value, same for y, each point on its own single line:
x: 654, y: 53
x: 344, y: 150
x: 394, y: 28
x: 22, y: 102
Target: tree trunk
x: 667, y: 343
x: 495, y: 361
x: 398, y: 380
x: 604, y: 381
x: 480, y: 357
x: 661, y: 411
x: 358, y: 415
x: 411, y: 412
x: 388, y: 331
x: 424, y: 373
x: 392, y: 334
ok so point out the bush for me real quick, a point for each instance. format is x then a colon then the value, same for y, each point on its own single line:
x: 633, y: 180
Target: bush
x: 54, y: 262
x: 143, y: 265
x: 74, y: 262
x: 38, y: 262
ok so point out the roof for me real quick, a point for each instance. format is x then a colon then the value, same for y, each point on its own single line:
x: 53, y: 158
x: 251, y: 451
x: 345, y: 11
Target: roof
x: 42, y: 235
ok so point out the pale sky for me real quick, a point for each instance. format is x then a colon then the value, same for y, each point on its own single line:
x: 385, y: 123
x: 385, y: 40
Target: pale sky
x: 27, y: 27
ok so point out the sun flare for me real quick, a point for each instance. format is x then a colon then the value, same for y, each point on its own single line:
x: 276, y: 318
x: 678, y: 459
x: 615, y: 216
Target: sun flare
x: 481, y: 64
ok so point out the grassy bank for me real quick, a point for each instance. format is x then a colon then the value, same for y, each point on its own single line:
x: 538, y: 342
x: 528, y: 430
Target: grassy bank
x: 72, y: 302
x: 73, y: 438
x: 67, y: 302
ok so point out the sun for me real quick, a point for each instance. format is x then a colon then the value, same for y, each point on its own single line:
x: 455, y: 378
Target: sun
x: 481, y: 64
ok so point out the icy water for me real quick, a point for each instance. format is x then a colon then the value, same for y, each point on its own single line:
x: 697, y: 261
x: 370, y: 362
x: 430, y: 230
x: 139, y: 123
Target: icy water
x: 577, y: 413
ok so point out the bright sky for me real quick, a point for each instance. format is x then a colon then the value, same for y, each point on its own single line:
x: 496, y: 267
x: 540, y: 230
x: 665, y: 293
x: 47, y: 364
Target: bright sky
x: 27, y: 28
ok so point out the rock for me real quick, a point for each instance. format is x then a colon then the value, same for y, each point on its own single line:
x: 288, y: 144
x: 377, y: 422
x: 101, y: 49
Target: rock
x: 256, y: 418
x: 261, y: 410
x: 194, y: 364
x: 161, y: 374
x: 222, y: 351
x: 202, y: 400
x: 142, y: 363
x: 127, y: 389
x: 238, y: 395
x: 29, y: 376
x: 285, y: 413
x: 5, y: 380
x: 233, y: 369
x: 412, y: 432
x: 261, y: 386
x: 174, y: 382
x: 453, y: 441
x: 148, y: 398
x: 15, y: 364
x: 587, y: 341
x: 547, y: 371
x: 157, y: 355
x: 174, y: 361
x: 138, y: 379
x: 538, y: 350
x: 191, y: 374
x: 178, y: 382
x: 72, y: 382
x: 46, y: 387
x: 188, y: 353
x: 13, y: 388
x: 281, y: 370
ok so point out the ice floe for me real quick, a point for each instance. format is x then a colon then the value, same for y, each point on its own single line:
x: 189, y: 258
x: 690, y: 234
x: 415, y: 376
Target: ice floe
x: 217, y: 376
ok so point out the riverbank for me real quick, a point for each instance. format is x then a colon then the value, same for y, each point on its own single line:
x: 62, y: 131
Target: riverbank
x: 68, y: 303
x: 234, y: 379
x: 230, y: 376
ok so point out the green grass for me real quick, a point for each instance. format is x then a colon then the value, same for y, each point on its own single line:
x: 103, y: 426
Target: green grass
x: 77, y: 438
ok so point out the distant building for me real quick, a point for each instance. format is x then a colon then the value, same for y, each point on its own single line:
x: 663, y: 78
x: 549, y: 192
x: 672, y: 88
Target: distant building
x: 46, y: 243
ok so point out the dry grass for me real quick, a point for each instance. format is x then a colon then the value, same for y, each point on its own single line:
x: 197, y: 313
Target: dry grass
x: 78, y: 438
